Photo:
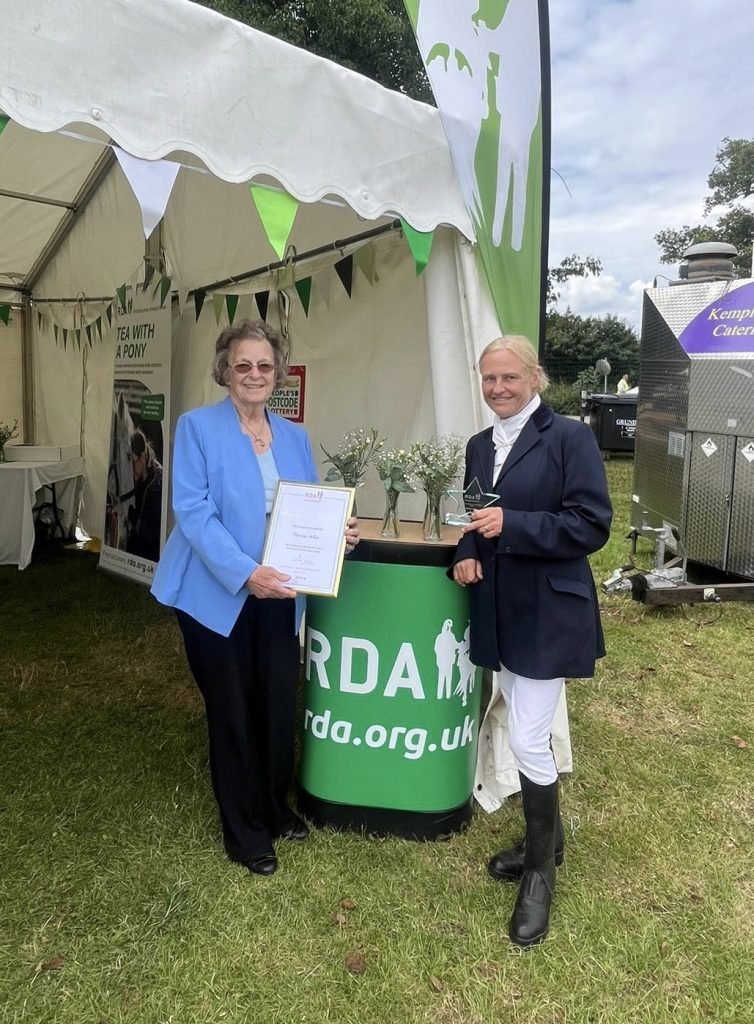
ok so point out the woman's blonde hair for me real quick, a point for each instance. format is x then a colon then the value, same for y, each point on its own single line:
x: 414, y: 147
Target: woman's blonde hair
x: 523, y: 349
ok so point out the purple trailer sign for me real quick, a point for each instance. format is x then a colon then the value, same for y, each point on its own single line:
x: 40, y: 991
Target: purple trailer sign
x: 726, y: 325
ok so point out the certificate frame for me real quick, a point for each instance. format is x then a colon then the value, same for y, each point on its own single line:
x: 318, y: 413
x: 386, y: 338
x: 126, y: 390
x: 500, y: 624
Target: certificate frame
x: 306, y: 535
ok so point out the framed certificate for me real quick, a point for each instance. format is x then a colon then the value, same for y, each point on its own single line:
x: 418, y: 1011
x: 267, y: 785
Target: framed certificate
x: 306, y: 536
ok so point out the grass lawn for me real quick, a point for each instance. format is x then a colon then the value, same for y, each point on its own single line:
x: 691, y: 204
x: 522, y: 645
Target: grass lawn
x: 118, y: 905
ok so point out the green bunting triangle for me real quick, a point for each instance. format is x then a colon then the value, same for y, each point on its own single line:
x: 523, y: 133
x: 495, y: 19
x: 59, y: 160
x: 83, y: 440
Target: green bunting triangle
x: 164, y: 290
x: 98, y: 325
x: 65, y: 337
x: 231, y: 304
x: 121, y: 293
x: 199, y: 296
x: 3, y: 121
x: 56, y: 332
x: 77, y: 336
x: 218, y: 301
x: 109, y: 315
x: 304, y: 289
x: 420, y: 244
x: 277, y: 211
x: 148, y: 275
x: 5, y: 314
x: 88, y: 330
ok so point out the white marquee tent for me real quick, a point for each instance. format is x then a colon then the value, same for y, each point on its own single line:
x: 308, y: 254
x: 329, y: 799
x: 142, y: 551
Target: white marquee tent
x: 230, y: 105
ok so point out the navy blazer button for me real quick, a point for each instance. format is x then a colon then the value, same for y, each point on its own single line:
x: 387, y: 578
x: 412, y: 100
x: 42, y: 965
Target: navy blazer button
x: 508, y: 549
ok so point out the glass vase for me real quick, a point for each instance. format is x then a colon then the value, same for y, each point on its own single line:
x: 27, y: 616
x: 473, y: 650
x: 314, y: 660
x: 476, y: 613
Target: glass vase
x: 390, y: 521
x: 355, y: 483
x: 432, y: 518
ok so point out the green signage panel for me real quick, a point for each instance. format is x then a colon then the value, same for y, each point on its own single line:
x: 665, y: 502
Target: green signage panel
x: 391, y: 698
x: 153, y: 407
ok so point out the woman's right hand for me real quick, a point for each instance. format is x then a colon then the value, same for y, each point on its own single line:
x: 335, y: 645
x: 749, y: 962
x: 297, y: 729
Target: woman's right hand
x: 266, y: 582
x: 467, y: 571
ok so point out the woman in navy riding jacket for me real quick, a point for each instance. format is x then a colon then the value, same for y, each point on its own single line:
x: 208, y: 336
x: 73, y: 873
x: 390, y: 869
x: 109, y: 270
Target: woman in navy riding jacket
x: 534, y: 611
x: 238, y: 618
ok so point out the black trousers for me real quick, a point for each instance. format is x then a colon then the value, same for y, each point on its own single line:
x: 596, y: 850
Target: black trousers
x: 248, y: 681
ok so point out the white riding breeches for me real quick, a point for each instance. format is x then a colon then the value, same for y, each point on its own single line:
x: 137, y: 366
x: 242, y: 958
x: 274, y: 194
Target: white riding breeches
x: 531, y: 705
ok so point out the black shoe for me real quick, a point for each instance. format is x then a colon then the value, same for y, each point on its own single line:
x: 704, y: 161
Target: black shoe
x: 508, y: 865
x: 530, y: 922
x: 298, y: 830
x: 267, y: 864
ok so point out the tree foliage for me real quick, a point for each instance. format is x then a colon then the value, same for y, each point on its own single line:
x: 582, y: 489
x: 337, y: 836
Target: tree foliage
x: 373, y: 37
x: 574, y: 343
x: 570, y: 266
x: 731, y: 182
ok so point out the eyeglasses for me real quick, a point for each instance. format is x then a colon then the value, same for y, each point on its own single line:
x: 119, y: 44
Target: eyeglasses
x: 242, y: 369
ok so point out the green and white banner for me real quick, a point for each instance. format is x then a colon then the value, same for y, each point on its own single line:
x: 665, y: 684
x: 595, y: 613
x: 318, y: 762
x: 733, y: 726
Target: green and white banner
x: 136, y: 508
x: 488, y: 65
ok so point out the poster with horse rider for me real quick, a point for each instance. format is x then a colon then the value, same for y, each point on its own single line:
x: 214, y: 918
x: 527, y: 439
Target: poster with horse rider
x: 136, y: 502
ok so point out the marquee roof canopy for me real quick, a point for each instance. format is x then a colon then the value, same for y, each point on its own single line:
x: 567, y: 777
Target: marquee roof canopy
x: 175, y: 78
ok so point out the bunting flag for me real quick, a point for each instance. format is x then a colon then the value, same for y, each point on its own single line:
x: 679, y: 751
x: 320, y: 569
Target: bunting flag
x: 77, y: 336
x: 98, y: 325
x: 304, y: 289
x: 277, y: 212
x: 3, y: 122
x: 56, y: 332
x: 199, y: 296
x: 488, y: 64
x: 183, y: 297
x: 109, y: 315
x: 420, y: 244
x: 218, y: 301
x: 323, y: 284
x: 164, y: 289
x: 365, y: 259
x: 148, y: 275
x: 151, y: 182
x: 5, y: 314
x: 39, y: 320
x: 88, y: 330
x: 65, y: 336
x: 344, y: 270
x: 231, y: 305
x: 262, y: 300
x: 121, y: 293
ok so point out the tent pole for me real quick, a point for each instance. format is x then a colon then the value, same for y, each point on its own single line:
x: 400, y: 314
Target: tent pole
x: 27, y: 373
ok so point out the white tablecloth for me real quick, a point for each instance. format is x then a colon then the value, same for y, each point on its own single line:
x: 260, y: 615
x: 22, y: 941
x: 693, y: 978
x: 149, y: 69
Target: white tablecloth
x: 20, y: 484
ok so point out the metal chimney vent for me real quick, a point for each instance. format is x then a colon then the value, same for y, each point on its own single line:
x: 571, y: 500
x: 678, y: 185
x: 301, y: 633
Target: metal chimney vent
x: 708, y: 261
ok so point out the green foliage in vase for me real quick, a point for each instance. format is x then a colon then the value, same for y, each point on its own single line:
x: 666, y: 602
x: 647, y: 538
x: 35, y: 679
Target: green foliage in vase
x: 357, y: 450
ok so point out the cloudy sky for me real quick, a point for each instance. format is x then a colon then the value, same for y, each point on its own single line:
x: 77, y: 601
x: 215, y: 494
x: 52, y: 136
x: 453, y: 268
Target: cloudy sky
x: 643, y: 93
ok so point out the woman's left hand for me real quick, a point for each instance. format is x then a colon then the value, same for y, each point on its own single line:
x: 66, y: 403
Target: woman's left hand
x: 488, y: 522
x: 352, y: 533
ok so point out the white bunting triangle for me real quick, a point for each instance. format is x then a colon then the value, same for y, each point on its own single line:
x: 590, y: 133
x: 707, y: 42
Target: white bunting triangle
x: 322, y: 284
x: 151, y: 182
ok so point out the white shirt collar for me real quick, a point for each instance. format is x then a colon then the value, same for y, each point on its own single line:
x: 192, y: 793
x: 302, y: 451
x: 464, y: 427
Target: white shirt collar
x: 506, y: 431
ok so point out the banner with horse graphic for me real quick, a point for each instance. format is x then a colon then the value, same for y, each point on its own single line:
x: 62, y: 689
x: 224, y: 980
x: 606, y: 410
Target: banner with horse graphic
x: 488, y: 64
x: 136, y: 503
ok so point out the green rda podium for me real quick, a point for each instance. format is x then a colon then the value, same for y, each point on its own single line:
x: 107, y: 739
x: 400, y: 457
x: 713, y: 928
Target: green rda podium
x: 391, y: 699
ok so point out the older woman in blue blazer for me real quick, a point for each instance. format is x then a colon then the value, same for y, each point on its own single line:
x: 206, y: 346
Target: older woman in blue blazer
x: 534, y: 611
x: 238, y: 618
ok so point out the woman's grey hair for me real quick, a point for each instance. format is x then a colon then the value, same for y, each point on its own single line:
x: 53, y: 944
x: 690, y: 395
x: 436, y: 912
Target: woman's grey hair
x: 521, y: 347
x: 248, y: 330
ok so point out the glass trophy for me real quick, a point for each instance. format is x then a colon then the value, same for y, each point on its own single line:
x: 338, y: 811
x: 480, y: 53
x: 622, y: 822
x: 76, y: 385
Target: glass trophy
x: 467, y: 501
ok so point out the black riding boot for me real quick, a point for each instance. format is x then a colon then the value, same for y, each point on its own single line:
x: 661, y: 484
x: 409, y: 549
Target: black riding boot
x: 531, y: 915
x: 508, y: 865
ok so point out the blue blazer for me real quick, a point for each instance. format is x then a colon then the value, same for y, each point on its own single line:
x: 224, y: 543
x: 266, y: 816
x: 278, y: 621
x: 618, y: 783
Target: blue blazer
x: 536, y: 611
x: 219, y: 506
